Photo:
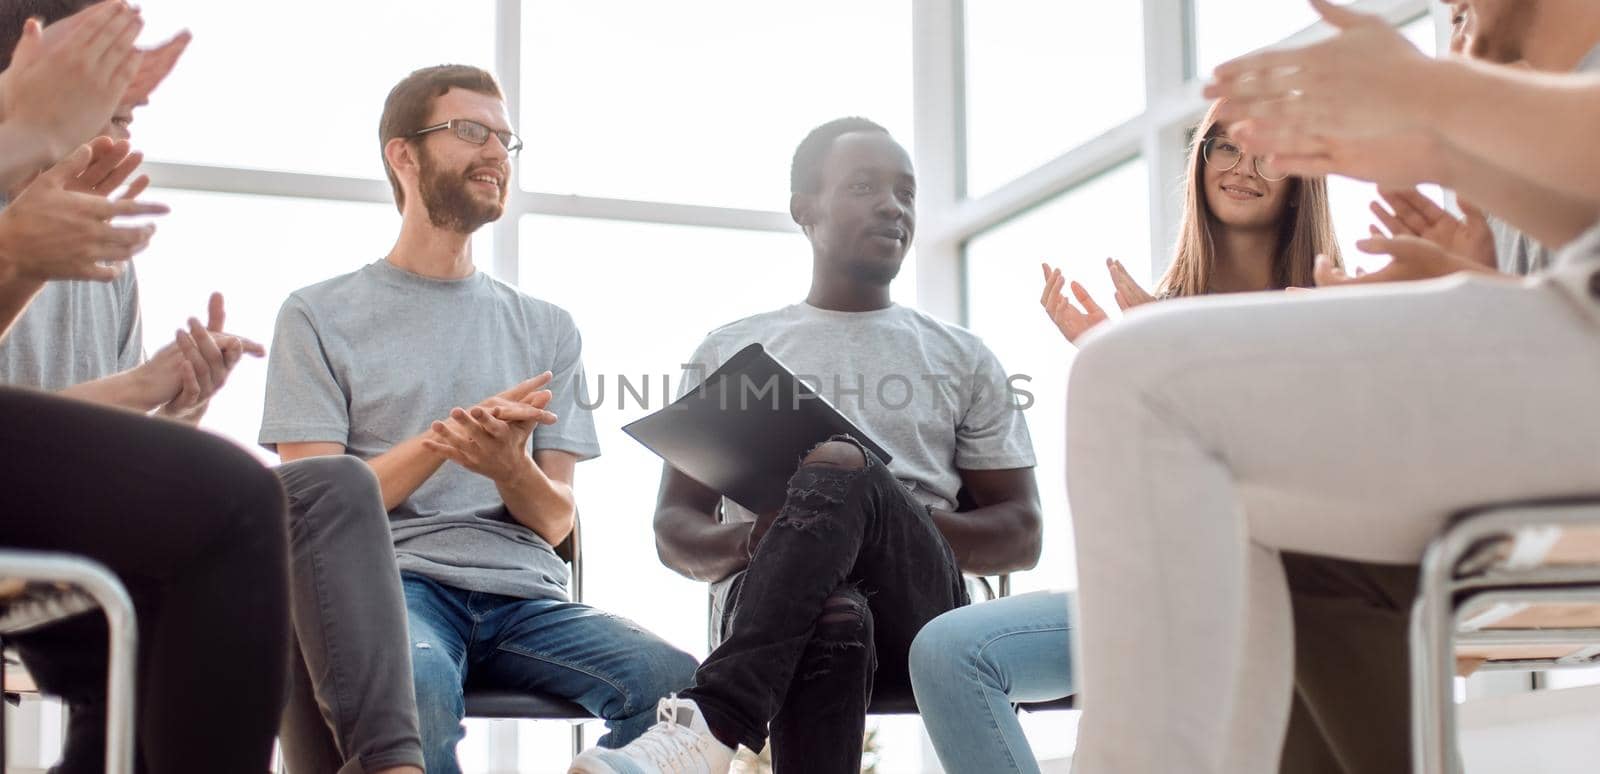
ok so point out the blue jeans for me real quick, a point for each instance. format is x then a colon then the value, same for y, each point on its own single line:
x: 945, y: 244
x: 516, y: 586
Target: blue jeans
x: 970, y: 664
x: 604, y: 663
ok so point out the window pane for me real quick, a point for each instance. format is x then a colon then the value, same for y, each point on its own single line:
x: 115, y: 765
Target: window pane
x: 701, y: 103
x: 290, y: 243
x: 1077, y: 231
x: 1224, y: 29
x: 298, y: 85
x: 1092, y: 72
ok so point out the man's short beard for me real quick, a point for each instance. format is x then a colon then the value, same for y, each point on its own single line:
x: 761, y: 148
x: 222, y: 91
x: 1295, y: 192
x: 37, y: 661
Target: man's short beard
x: 874, y: 273
x: 449, y: 204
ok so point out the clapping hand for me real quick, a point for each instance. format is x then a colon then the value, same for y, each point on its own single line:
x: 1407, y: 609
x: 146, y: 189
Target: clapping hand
x: 491, y: 438
x: 1416, y: 215
x: 1069, y: 319
x: 1412, y: 258
x: 1129, y: 293
x: 60, y: 226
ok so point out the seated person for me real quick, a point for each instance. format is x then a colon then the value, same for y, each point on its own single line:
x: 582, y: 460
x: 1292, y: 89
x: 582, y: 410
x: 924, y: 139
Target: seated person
x: 191, y: 525
x: 84, y: 339
x: 1183, y: 497
x: 819, y: 602
x: 420, y: 364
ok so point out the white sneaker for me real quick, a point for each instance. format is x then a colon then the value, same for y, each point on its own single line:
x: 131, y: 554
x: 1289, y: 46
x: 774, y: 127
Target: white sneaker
x: 679, y: 742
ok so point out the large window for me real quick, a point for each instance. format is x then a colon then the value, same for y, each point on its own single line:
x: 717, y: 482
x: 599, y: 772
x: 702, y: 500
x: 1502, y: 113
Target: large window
x: 701, y: 102
x: 1042, y: 77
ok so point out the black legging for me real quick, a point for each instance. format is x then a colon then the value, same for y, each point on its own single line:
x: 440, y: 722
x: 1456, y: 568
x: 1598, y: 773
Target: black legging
x: 195, y: 528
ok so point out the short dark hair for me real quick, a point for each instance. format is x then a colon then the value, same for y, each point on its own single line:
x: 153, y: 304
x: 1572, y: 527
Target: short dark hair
x: 14, y: 13
x: 411, y: 100
x: 805, y: 173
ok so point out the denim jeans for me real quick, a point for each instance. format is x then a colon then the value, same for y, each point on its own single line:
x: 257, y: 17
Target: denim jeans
x: 604, y: 663
x: 969, y: 665
x: 850, y: 571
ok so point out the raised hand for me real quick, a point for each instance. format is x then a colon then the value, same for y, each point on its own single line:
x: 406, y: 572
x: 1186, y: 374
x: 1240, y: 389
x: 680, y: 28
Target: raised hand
x: 113, y: 161
x: 1416, y: 215
x: 1352, y: 85
x: 154, y: 66
x: 1071, y: 321
x: 1412, y: 258
x: 51, y: 232
x: 1129, y: 293
x: 64, y: 85
x: 209, y: 356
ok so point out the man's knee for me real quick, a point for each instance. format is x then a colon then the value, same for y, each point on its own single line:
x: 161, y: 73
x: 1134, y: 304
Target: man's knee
x: 842, y: 639
x: 666, y: 670
x: 837, y: 454
x: 941, y: 650
x: 330, y: 487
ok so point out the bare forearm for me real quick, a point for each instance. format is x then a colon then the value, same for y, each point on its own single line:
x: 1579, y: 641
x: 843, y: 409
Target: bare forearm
x: 1542, y: 125
x: 402, y: 469
x: 15, y: 295
x: 539, y: 503
x: 124, y: 390
x: 1550, y: 216
x: 1004, y: 537
x: 696, y: 546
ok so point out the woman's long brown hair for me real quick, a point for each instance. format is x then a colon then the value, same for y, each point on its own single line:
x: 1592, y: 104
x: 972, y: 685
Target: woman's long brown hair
x: 1305, y: 231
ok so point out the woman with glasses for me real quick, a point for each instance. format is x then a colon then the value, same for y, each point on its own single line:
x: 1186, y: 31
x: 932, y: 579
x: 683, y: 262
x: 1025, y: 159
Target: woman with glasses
x: 1246, y: 227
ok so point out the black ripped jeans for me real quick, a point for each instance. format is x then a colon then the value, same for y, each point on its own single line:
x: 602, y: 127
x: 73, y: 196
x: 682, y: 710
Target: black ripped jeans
x: 850, y: 571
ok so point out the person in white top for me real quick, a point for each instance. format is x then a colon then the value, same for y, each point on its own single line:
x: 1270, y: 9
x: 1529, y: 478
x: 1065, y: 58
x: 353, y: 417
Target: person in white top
x: 1205, y: 436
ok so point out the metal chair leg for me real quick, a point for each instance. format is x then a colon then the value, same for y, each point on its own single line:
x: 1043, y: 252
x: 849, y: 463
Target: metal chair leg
x: 99, y: 583
x: 1433, y: 665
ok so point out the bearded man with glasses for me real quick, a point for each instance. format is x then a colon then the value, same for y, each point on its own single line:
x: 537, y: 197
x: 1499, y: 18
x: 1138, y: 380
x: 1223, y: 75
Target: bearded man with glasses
x: 464, y: 396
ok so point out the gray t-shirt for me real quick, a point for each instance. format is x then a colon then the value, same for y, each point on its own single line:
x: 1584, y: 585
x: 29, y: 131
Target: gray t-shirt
x: 75, y: 331
x: 371, y: 358
x: 1518, y: 253
x: 932, y: 394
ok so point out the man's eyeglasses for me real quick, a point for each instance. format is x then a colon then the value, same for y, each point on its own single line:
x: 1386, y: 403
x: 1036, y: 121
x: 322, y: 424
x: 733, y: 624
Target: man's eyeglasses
x: 1224, y: 155
x: 475, y: 133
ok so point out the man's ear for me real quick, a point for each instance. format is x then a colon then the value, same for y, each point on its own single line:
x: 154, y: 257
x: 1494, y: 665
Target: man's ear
x: 802, y: 208
x: 401, y: 156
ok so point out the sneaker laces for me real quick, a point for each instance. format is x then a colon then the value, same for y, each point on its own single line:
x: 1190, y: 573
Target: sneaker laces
x: 668, y: 743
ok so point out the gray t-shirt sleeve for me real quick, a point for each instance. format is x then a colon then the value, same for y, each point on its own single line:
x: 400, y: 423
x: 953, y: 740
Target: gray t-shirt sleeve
x: 130, y: 328
x: 304, y: 402
x: 573, y: 431
x: 992, y: 434
x: 698, y: 366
